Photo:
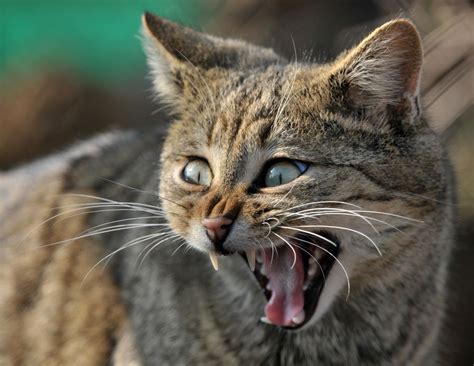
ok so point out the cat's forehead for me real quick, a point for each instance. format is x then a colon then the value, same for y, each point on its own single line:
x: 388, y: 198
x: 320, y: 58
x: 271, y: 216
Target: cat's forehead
x: 261, y: 112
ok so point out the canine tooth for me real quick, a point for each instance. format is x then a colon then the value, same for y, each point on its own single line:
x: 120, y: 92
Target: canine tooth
x: 251, y: 258
x: 299, y: 318
x: 265, y: 320
x: 312, y: 269
x: 259, y: 257
x: 269, y: 286
x: 319, y: 253
x: 214, y: 260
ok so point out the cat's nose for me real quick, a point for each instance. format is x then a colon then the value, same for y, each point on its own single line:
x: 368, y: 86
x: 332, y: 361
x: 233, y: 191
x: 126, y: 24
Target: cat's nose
x: 217, y: 229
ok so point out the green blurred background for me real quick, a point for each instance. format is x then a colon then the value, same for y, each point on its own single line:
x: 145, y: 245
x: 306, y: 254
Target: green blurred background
x: 99, y: 39
x: 70, y: 69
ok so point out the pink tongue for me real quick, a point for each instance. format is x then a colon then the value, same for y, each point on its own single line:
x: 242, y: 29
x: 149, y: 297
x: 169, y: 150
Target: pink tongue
x: 286, y: 284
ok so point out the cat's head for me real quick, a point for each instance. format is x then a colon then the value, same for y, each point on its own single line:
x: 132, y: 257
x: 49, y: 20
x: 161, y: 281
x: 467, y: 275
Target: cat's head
x: 295, y: 164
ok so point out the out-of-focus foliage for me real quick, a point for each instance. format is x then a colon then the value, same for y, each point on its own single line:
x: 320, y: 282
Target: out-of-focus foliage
x: 94, y: 37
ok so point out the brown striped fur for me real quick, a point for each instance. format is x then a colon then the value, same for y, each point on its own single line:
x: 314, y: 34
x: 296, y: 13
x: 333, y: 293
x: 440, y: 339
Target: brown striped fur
x: 50, y: 314
x: 357, y: 122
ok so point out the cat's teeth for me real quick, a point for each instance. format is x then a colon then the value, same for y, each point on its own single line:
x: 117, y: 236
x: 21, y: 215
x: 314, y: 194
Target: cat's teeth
x: 214, y: 260
x: 319, y: 254
x: 259, y: 257
x: 251, y: 258
x: 298, y: 319
x: 312, y: 269
x: 265, y: 320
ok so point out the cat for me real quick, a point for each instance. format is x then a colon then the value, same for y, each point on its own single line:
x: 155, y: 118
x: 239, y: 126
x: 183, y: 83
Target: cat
x: 299, y: 214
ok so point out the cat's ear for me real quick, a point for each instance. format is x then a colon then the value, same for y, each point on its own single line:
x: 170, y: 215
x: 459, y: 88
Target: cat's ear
x: 383, y: 71
x: 174, y: 51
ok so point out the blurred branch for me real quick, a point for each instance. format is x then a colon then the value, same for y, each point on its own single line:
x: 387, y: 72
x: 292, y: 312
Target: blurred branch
x: 448, y: 76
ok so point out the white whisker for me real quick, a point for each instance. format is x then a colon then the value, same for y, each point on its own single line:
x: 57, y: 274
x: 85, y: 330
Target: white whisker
x: 310, y: 233
x: 293, y: 249
x: 312, y: 256
x: 81, y: 213
x: 129, y: 244
x: 334, y: 212
x: 101, y: 232
x: 334, y: 257
x: 269, y: 229
x: 176, y: 250
x: 319, y: 203
x: 116, y: 221
x: 342, y: 228
x: 175, y: 236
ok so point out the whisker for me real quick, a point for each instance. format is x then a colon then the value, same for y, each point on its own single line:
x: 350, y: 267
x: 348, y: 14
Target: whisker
x: 274, y: 218
x: 342, y: 228
x: 269, y: 229
x: 81, y: 213
x: 152, y: 236
x: 312, y: 256
x: 310, y: 233
x: 347, y: 214
x: 124, y: 226
x: 130, y: 187
x: 373, y: 212
x: 272, y: 245
x: 116, y: 221
x: 211, y: 98
x: 319, y: 203
x: 174, y: 237
x: 176, y: 250
x: 286, y: 195
x: 287, y: 95
x: 293, y: 249
x: 99, y: 233
x: 123, y: 247
x: 333, y: 256
x: 335, y: 211
x: 110, y: 201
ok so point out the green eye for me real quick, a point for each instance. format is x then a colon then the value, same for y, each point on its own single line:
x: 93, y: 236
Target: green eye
x: 284, y: 172
x: 198, y: 172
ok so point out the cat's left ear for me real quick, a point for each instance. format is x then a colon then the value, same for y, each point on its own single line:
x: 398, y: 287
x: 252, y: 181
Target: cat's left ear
x: 383, y: 71
x: 175, y: 52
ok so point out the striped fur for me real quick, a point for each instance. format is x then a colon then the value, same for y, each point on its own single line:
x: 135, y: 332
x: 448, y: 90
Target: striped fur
x: 357, y: 121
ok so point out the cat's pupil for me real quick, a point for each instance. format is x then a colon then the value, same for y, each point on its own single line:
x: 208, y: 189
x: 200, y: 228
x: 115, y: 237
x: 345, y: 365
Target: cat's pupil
x: 197, y: 172
x: 283, y: 172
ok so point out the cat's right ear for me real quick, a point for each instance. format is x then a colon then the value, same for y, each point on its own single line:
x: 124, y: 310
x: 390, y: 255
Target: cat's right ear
x: 176, y: 54
x: 382, y: 73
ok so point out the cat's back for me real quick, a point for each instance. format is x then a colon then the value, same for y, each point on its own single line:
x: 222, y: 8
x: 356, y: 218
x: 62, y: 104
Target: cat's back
x: 42, y: 272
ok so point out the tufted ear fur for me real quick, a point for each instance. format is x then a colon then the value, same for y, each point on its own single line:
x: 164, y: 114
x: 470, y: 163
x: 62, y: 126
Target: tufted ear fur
x: 174, y: 51
x: 383, y: 71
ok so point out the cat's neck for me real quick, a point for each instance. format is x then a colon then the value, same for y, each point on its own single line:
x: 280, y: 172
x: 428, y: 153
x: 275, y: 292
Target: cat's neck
x: 181, y: 309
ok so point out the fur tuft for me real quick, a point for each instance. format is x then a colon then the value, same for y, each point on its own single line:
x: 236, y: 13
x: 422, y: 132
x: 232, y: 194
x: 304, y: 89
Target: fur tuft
x: 384, y: 69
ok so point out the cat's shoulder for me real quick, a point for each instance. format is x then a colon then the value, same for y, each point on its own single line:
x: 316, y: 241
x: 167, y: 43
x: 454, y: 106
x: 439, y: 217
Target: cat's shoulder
x: 41, y: 209
x: 86, y: 160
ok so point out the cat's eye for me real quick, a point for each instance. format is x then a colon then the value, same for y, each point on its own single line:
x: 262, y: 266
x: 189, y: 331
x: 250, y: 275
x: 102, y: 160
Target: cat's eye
x: 283, y: 172
x: 197, y: 171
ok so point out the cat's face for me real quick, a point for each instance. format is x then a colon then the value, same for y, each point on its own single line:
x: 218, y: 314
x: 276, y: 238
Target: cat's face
x: 287, y: 164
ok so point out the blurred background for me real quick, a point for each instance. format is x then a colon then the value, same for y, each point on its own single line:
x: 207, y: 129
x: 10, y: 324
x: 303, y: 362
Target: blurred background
x: 69, y: 69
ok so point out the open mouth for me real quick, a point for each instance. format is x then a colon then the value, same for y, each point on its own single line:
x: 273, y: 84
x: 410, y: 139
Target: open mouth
x: 293, y: 276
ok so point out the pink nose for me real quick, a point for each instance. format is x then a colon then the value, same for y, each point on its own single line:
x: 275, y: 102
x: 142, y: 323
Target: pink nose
x: 217, y: 228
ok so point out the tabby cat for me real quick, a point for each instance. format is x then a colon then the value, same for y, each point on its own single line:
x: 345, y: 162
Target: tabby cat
x: 298, y: 216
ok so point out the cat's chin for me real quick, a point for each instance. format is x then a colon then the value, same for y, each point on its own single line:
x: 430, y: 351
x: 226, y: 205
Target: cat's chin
x: 292, y: 277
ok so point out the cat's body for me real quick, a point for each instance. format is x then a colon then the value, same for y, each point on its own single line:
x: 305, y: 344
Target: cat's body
x: 181, y: 311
